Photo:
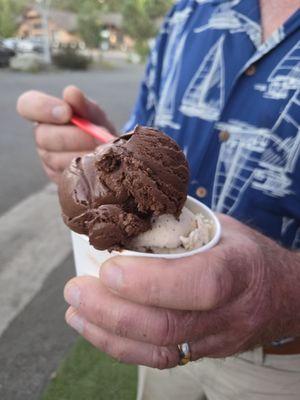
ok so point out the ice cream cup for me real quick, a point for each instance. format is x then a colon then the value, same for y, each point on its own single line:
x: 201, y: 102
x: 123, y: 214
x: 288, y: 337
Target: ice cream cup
x: 88, y: 260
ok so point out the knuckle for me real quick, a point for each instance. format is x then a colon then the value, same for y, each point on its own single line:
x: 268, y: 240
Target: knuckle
x: 153, y: 287
x: 168, y: 329
x: 118, y: 353
x: 216, y: 285
x: 161, y: 358
x: 153, y: 293
x: 122, y: 325
x: 48, y: 158
x: 40, y: 136
x: 104, y: 344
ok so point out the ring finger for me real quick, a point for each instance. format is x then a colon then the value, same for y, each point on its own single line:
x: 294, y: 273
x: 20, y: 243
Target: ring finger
x: 122, y: 349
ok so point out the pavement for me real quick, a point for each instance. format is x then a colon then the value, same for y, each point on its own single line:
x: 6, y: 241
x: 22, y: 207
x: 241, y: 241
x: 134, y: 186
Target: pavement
x: 35, y: 249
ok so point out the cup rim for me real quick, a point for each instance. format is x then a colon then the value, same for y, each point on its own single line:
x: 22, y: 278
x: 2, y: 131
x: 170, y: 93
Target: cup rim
x: 213, y: 242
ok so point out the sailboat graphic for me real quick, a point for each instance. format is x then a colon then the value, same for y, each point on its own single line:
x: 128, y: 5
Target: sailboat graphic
x: 150, y: 80
x: 296, y: 242
x: 284, y: 77
x: 204, y: 97
x: 166, y: 106
x: 171, y: 69
x: 226, y: 18
x: 237, y: 160
x: 205, y: 1
x: 257, y: 157
x: 282, y: 155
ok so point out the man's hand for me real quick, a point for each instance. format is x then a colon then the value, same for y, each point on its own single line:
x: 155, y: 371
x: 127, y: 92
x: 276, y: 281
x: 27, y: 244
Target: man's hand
x: 242, y: 293
x: 57, y: 142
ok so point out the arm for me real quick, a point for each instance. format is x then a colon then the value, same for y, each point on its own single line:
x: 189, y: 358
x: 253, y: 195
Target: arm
x: 242, y: 293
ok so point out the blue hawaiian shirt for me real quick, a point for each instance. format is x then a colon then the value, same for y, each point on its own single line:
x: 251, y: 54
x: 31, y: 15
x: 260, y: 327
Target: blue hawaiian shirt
x: 233, y: 104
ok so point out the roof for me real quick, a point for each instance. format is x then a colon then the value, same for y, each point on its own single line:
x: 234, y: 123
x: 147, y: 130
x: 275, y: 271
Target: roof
x: 64, y: 19
x: 115, y: 19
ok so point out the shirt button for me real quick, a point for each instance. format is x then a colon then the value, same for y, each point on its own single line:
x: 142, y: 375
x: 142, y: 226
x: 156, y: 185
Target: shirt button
x: 250, y: 71
x: 224, y: 136
x: 201, y: 192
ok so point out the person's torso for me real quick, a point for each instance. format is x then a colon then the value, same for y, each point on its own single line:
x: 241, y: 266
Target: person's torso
x: 233, y: 105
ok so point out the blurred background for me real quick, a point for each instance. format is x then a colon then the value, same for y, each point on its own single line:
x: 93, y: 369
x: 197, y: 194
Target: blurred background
x: 100, y: 46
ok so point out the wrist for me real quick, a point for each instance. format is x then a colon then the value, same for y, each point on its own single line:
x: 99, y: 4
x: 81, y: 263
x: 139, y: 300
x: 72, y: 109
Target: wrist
x: 287, y: 282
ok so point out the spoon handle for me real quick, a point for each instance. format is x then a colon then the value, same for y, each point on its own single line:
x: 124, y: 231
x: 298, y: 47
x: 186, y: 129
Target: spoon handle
x: 96, y: 131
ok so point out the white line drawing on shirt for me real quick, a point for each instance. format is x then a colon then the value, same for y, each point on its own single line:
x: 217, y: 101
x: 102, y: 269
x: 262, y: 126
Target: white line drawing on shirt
x: 224, y: 17
x: 237, y: 160
x: 204, y: 97
x: 150, y: 80
x: 296, y: 242
x: 284, y: 78
x: 286, y: 223
x: 176, y: 20
x: 206, y: 1
x: 282, y: 155
x: 171, y: 69
x: 257, y: 157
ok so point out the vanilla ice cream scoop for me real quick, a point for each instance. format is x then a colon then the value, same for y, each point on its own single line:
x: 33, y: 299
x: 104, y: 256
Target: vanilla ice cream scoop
x: 171, y: 235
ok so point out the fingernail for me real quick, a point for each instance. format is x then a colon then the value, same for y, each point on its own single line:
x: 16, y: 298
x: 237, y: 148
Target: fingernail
x: 112, y: 276
x: 72, y: 295
x: 60, y: 113
x: 76, y: 322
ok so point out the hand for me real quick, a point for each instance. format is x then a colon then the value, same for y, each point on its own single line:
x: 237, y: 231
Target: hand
x: 240, y: 294
x: 57, y: 142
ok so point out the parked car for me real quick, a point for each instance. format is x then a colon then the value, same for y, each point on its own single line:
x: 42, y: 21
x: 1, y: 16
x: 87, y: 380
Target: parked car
x: 5, y: 55
x: 11, y: 43
x: 28, y: 45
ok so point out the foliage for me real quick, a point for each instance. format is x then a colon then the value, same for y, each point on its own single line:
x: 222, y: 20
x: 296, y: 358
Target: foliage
x: 10, y: 11
x: 139, y: 17
x: 88, y: 374
x: 139, y: 20
x: 70, y: 59
x: 89, y: 24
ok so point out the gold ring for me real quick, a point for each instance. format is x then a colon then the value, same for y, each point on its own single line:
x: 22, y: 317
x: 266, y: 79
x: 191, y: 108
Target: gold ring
x: 184, y: 353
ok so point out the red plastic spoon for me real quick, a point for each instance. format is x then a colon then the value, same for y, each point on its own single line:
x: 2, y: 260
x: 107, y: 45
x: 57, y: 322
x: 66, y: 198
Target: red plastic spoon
x: 96, y: 131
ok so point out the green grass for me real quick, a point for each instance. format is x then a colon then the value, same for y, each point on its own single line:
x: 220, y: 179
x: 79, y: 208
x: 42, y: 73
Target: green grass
x: 87, y: 374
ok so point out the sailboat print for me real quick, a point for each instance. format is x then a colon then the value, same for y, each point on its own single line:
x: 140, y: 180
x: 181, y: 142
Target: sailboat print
x: 226, y: 18
x: 205, y: 1
x: 204, y: 97
x: 166, y: 106
x: 238, y: 159
x: 284, y: 77
x: 171, y: 69
x: 282, y: 155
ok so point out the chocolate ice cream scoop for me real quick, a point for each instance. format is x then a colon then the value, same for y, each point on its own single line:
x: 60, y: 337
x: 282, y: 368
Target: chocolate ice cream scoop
x: 112, y: 194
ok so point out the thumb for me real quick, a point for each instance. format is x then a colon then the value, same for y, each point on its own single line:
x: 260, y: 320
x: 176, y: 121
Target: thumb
x: 86, y: 108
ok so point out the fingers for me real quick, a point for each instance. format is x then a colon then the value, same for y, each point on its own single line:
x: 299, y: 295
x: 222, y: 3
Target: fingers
x: 214, y: 346
x: 77, y: 100
x: 37, y: 106
x: 200, y: 282
x: 122, y: 349
x: 86, y: 108
x: 56, y: 161
x: 153, y: 325
x: 63, y: 138
x: 122, y: 318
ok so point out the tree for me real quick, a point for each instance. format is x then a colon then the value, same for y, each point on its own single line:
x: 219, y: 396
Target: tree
x: 139, y: 20
x: 89, y: 24
x: 9, y: 12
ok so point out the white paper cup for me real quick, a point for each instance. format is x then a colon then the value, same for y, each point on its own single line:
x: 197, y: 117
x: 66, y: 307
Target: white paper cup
x: 88, y: 260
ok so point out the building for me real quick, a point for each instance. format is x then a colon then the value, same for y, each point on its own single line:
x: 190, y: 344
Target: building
x: 62, y: 26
